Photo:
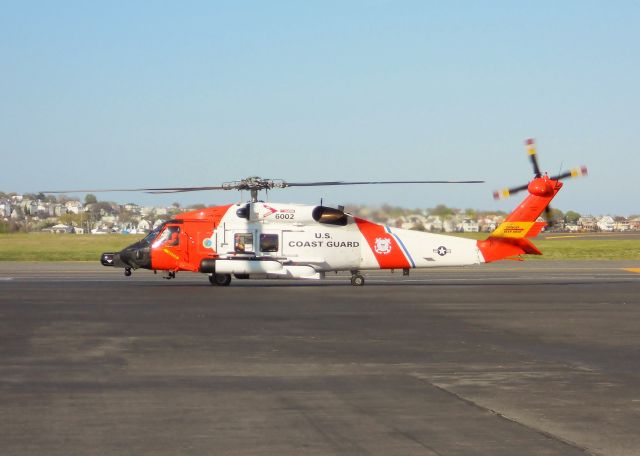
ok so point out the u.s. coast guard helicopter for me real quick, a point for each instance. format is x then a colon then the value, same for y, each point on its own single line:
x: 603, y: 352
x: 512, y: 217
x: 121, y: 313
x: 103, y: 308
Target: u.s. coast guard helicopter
x: 259, y: 239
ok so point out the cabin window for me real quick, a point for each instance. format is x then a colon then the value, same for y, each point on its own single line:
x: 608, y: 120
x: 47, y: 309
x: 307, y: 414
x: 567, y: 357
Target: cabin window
x: 268, y: 242
x: 243, y: 242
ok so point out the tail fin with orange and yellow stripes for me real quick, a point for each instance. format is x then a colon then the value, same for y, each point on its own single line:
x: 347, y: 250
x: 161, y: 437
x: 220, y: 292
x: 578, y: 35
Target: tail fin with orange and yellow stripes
x: 510, y: 238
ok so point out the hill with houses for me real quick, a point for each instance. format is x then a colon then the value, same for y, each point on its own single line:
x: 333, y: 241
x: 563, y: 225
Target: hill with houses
x: 62, y: 214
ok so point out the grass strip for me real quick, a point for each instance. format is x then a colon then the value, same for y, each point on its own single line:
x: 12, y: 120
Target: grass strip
x: 73, y: 247
x: 60, y: 247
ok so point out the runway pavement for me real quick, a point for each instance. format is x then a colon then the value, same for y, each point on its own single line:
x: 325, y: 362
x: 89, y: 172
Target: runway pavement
x: 534, y: 358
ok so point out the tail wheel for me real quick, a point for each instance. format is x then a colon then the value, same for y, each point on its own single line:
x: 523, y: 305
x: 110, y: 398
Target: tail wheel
x: 220, y: 280
x: 357, y: 280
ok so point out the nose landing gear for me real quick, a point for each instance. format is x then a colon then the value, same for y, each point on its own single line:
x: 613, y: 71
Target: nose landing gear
x: 127, y: 272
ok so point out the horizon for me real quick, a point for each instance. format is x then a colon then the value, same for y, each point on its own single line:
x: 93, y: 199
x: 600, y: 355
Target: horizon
x: 71, y: 197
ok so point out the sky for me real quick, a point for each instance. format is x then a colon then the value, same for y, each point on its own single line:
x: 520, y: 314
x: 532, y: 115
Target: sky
x: 129, y: 94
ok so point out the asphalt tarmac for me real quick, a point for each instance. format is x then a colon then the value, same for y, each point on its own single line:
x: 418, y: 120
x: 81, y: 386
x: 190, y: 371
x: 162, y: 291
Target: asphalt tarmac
x: 535, y: 358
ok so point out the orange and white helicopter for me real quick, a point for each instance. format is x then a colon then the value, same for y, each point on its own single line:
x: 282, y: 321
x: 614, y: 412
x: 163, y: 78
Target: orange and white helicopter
x: 259, y: 239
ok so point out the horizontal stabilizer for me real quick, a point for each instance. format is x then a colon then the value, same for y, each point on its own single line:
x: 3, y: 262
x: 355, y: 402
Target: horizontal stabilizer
x: 499, y: 248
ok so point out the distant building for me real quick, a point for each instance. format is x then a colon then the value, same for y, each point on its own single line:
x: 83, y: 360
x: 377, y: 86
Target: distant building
x: 587, y: 223
x: 59, y: 229
x: 143, y: 226
x: 468, y: 226
x: 621, y: 224
x: 5, y: 209
x: 605, y: 223
x: 73, y: 206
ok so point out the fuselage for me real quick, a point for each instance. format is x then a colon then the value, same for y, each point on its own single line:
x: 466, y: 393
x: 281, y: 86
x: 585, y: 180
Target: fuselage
x: 289, y: 241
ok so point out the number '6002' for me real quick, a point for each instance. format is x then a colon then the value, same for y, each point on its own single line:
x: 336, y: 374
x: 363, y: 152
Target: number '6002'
x: 284, y: 216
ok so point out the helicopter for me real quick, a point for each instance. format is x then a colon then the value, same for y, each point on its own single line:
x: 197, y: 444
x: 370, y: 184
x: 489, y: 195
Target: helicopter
x: 258, y: 239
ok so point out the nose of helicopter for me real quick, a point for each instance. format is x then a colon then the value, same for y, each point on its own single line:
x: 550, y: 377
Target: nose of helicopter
x: 137, y: 255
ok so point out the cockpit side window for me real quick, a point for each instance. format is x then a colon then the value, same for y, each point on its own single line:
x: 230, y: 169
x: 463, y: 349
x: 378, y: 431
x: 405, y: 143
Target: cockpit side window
x: 174, y: 236
x: 169, y: 237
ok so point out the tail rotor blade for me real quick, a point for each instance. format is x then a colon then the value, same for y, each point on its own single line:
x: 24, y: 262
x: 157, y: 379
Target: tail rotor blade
x: 548, y: 217
x: 507, y: 192
x: 575, y: 172
x: 533, y: 156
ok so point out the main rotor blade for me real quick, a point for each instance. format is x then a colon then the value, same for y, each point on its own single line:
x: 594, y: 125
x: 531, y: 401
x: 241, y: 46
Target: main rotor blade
x: 320, y: 184
x: 259, y: 185
x: 183, y: 189
x: 148, y: 190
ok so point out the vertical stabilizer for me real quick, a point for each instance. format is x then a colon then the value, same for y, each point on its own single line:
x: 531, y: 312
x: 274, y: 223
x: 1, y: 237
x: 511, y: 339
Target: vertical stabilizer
x: 509, y: 239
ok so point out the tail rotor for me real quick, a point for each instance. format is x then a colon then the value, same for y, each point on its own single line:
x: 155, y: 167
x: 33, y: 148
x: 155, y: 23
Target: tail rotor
x: 538, y: 184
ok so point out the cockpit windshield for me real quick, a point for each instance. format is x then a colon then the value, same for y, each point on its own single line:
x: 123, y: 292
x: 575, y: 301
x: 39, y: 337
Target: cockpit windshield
x: 148, y: 239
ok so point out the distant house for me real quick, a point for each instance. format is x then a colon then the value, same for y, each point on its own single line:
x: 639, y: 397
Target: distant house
x: 73, y: 206
x: 432, y: 223
x: 17, y: 214
x: 489, y: 223
x: 605, y: 223
x: 468, y: 226
x: 58, y: 210
x: 31, y: 208
x: 449, y: 225
x: 621, y: 224
x: 587, y: 223
x: 59, y: 229
x: 413, y: 222
x: 108, y: 219
x: 5, y: 209
x: 143, y: 226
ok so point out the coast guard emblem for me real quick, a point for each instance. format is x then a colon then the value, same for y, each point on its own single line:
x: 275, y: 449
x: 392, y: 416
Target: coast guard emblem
x: 382, y: 245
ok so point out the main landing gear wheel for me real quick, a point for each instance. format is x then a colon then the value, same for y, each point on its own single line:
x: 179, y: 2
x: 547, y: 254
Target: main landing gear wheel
x: 220, y: 280
x: 357, y: 280
x: 127, y: 272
